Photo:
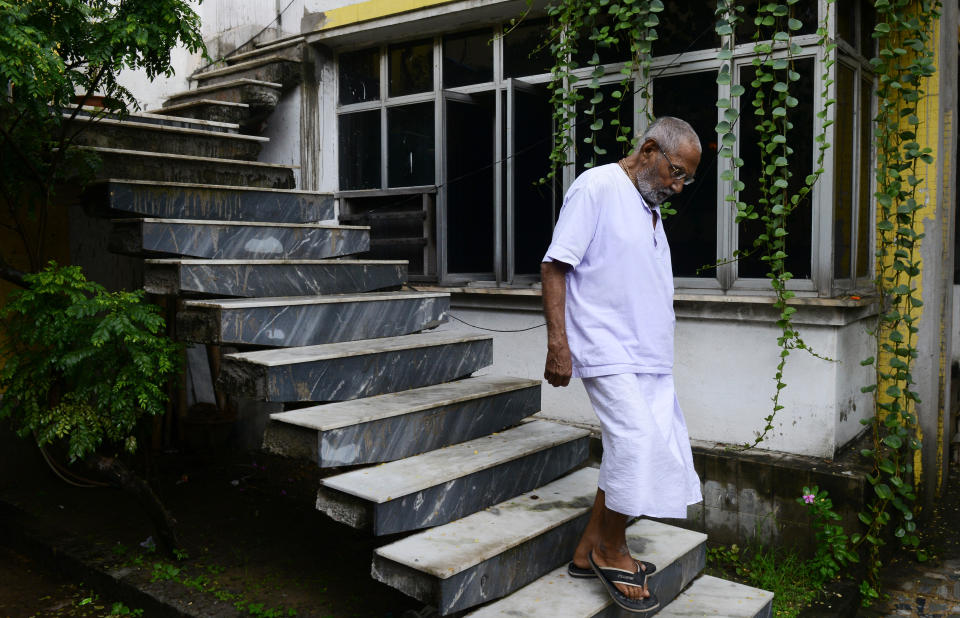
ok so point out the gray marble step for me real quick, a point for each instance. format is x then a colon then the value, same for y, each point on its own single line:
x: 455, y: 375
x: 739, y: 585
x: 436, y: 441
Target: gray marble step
x: 310, y: 320
x: 261, y: 97
x: 266, y: 68
x: 494, y: 552
x: 166, y: 120
x: 253, y: 278
x: 209, y: 109
x: 169, y: 200
x: 134, y: 134
x: 397, y: 425
x: 225, y: 240
x: 354, y: 369
x: 165, y: 167
x: 440, y: 486
x: 288, y: 48
x: 679, y: 555
x: 711, y: 596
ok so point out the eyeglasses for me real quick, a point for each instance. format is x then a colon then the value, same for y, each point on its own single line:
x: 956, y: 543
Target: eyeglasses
x: 677, y: 173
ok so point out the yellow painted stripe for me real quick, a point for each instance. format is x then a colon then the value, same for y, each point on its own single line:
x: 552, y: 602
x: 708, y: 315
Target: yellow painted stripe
x: 373, y: 9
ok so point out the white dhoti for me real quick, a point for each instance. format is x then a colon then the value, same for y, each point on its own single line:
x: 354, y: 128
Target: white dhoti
x: 647, y: 466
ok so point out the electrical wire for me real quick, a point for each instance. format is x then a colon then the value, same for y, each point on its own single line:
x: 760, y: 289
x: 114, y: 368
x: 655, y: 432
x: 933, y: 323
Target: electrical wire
x: 495, y: 330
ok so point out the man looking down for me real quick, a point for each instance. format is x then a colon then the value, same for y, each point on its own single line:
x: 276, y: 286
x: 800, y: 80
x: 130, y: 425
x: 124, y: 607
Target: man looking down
x: 608, y: 301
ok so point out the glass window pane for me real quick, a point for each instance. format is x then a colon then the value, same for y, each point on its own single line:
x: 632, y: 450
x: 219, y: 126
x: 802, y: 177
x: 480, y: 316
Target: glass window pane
x: 410, y: 147
x: 693, y: 229
x: 800, y: 138
x: 533, y: 203
x: 359, y: 150
x: 843, y: 173
x: 686, y: 25
x: 359, y: 76
x: 468, y: 59
x: 607, y: 136
x: 804, y: 10
x: 525, y: 51
x: 847, y: 20
x: 868, y: 19
x: 470, y: 188
x: 609, y: 52
x: 411, y: 68
x: 867, y: 163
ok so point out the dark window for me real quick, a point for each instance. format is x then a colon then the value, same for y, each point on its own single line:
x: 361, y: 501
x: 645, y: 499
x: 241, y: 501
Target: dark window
x: 847, y: 21
x: 843, y: 172
x: 525, y: 50
x: 411, y: 68
x: 686, y: 25
x: 800, y: 138
x: 470, y: 184
x: 867, y: 164
x: 410, y: 146
x: 804, y: 10
x: 615, y: 124
x: 692, y: 231
x: 868, y: 19
x: 360, y: 150
x: 359, y: 76
x: 533, y: 203
x: 609, y: 44
x: 467, y: 59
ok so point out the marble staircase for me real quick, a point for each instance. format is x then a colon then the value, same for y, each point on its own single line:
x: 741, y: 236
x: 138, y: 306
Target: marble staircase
x: 491, y: 500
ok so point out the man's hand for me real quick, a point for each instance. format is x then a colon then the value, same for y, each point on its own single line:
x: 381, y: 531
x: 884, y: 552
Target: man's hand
x: 558, y: 367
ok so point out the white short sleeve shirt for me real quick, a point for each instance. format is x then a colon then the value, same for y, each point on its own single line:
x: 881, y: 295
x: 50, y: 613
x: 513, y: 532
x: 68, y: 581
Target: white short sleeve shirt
x: 619, y: 296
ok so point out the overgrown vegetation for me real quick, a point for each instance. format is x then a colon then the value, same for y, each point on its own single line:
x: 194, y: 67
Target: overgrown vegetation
x: 54, y: 58
x: 83, y: 366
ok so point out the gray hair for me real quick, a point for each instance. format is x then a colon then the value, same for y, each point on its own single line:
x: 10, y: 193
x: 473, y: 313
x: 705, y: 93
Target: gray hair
x: 671, y: 133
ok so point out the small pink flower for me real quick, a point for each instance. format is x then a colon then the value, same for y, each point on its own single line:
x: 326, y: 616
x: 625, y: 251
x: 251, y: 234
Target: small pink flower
x: 808, y: 498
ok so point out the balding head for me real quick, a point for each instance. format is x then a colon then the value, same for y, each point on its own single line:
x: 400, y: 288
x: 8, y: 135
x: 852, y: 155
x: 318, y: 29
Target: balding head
x: 672, y: 134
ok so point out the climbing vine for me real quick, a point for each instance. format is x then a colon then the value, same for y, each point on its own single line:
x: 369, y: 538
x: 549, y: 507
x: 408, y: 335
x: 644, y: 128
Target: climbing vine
x: 905, y: 59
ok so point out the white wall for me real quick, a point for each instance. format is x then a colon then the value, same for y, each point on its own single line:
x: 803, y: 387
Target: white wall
x: 724, y: 374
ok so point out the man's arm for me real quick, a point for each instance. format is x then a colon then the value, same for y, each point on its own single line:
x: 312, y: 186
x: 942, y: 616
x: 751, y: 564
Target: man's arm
x: 554, y: 289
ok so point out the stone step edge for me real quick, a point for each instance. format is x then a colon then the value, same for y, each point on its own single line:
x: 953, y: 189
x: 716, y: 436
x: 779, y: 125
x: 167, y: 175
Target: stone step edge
x: 508, y: 441
x: 196, y: 103
x: 678, y: 553
x: 239, y: 67
x: 577, y: 484
x: 154, y: 115
x: 300, y: 417
x: 223, y: 86
x: 179, y: 157
x: 312, y: 226
x: 196, y: 262
x: 147, y: 126
x: 324, y: 299
x: 347, y: 349
x: 704, y: 595
x: 205, y: 187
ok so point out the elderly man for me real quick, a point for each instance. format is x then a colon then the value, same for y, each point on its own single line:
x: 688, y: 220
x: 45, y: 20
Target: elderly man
x: 608, y: 300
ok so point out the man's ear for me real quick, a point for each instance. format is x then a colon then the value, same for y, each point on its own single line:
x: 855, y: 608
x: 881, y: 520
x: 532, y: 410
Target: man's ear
x: 647, y: 149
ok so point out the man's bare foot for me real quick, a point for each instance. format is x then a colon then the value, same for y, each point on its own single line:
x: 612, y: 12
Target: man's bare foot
x: 620, y: 559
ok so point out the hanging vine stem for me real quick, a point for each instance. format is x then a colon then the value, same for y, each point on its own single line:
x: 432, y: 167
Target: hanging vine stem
x: 774, y: 72
x: 606, y: 24
x: 905, y: 59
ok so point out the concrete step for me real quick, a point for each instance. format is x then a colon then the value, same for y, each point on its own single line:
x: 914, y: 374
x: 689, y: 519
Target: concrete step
x: 679, y: 554
x: 397, y: 425
x: 168, y: 200
x: 252, y: 278
x: 265, y: 68
x: 132, y: 134
x: 711, y: 596
x: 209, y: 109
x: 288, y: 48
x: 166, y: 120
x: 354, y: 369
x: 164, y: 167
x: 261, y: 97
x: 440, y: 486
x: 225, y: 240
x: 310, y: 320
x: 489, y: 554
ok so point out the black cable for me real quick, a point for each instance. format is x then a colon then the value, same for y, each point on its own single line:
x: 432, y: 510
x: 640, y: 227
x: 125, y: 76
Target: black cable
x: 495, y: 330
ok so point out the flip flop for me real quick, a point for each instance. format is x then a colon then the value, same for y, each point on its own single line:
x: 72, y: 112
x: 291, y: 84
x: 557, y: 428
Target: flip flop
x: 574, y: 571
x: 610, y: 577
